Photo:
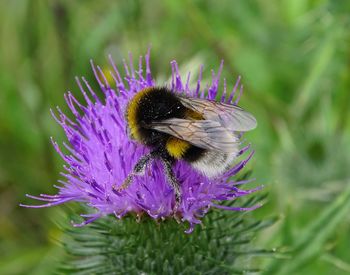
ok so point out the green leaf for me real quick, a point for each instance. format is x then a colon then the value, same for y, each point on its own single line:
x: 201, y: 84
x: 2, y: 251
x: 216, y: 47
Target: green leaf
x: 309, y: 245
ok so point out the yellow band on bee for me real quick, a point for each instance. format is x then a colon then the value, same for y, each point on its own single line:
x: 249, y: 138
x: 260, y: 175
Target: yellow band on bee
x: 131, y: 113
x: 194, y: 115
x: 177, y: 147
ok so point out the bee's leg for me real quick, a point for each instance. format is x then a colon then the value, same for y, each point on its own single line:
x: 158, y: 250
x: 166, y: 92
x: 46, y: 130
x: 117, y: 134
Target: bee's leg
x: 173, y: 181
x: 139, y: 169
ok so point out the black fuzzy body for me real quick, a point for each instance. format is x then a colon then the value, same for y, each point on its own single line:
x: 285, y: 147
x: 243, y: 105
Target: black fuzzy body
x: 158, y: 104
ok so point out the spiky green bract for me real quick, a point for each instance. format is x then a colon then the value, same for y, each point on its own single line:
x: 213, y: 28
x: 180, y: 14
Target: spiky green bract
x: 147, y: 247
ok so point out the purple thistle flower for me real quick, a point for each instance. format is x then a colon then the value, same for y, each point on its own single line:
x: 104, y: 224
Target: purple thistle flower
x: 100, y: 154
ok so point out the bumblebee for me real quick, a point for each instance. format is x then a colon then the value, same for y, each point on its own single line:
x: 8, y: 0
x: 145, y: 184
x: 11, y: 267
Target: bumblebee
x: 175, y: 127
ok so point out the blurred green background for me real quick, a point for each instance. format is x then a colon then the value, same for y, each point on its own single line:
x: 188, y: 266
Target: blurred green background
x: 293, y: 55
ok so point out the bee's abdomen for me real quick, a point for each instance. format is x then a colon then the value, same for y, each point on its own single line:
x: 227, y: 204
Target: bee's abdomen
x: 193, y: 153
x: 214, y: 163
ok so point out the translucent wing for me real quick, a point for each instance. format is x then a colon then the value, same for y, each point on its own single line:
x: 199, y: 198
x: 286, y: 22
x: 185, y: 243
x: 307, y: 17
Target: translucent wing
x: 231, y: 117
x: 205, y: 134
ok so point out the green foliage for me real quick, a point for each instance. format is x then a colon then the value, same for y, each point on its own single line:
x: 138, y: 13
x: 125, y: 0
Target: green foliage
x: 310, y: 245
x: 223, y: 245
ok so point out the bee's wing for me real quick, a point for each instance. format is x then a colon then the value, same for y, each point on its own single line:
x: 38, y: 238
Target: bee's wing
x: 231, y: 117
x: 205, y: 134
